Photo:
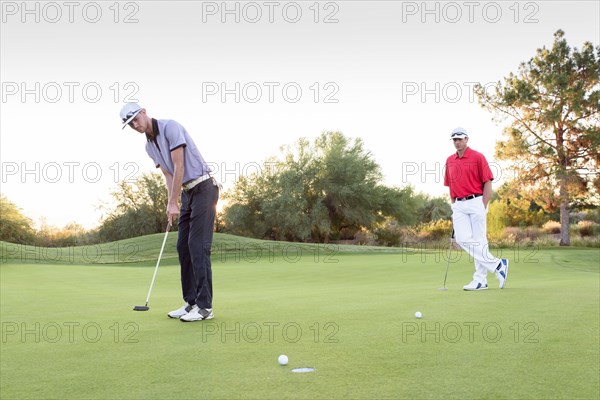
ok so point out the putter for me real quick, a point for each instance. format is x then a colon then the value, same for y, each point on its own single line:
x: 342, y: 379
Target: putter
x: 145, y: 307
x: 448, y: 264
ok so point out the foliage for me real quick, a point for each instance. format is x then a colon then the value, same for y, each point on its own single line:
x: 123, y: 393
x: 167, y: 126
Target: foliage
x: 435, y: 230
x: 551, y: 227
x: 511, y: 208
x: 497, y: 219
x: 592, y: 214
x: 70, y: 235
x: 518, y: 236
x: 389, y: 233
x: 553, y: 104
x: 14, y: 226
x: 141, y: 209
x: 587, y: 228
x: 434, y: 208
x: 327, y: 190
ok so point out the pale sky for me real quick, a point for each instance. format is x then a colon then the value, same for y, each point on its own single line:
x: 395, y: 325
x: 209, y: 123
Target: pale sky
x: 245, y: 78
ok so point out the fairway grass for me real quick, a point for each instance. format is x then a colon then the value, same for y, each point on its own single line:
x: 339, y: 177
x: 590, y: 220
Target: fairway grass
x: 69, y: 332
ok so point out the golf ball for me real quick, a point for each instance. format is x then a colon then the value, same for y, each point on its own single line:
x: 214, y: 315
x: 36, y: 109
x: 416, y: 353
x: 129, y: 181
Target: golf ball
x: 418, y: 314
x: 283, y: 360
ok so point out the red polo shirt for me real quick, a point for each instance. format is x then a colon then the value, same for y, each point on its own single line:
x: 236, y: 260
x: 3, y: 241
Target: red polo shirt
x: 466, y: 175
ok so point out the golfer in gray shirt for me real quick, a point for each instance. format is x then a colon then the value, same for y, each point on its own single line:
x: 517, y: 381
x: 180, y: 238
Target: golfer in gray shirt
x: 188, y: 178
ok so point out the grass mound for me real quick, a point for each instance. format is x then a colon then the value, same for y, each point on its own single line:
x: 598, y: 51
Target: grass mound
x: 146, y: 248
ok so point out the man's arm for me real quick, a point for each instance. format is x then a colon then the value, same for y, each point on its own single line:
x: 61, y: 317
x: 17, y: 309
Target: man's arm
x: 169, y: 183
x: 168, y: 180
x: 174, y: 183
x: 487, y: 193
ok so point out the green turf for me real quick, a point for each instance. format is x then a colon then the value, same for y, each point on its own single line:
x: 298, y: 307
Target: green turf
x: 69, y: 332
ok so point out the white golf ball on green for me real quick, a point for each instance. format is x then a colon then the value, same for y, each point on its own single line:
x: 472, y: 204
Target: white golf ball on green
x: 418, y: 314
x: 283, y: 359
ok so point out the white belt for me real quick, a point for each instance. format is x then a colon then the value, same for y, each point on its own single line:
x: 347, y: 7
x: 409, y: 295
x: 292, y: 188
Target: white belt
x: 190, y: 185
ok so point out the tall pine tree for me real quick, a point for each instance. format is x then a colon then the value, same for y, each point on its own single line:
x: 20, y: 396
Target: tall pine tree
x: 553, y: 141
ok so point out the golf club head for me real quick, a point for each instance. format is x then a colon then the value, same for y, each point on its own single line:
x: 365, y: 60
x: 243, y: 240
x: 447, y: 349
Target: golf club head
x: 443, y: 288
x: 141, y: 308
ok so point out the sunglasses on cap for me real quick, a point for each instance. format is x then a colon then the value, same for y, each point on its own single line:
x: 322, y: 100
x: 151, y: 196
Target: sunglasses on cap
x: 129, y: 115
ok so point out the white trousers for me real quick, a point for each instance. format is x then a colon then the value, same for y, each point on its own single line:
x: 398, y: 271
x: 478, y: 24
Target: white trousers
x: 470, y: 232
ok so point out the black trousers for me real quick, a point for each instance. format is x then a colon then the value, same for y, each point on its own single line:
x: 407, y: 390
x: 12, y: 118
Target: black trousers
x: 196, y: 224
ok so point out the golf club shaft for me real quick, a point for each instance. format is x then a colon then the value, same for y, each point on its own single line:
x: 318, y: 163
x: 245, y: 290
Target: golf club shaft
x: 158, y: 263
x: 448, y: 264
x: 449, y: 254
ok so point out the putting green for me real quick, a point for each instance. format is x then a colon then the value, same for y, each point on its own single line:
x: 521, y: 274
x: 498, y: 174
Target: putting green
x: 68, y: 329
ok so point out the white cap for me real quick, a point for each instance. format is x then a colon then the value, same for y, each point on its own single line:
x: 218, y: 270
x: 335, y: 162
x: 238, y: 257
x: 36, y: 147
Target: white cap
x: 129, y: 112
x: 459, y: 133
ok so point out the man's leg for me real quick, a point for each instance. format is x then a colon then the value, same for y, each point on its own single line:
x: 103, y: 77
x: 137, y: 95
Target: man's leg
x: 469, y: 222
x: 188, y: 283
x: 202, y: 219
x: 485, y: 262
x: 463, y: 233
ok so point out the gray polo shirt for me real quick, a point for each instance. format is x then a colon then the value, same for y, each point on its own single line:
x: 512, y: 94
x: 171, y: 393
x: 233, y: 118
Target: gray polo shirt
x: 170, y: 136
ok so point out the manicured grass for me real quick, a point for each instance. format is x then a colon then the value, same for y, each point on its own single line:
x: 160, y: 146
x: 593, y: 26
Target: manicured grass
x: 68, y: 329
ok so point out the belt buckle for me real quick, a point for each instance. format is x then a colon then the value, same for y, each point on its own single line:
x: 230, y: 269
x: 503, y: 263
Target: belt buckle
x: 187, y: 187
x: 196, y: 182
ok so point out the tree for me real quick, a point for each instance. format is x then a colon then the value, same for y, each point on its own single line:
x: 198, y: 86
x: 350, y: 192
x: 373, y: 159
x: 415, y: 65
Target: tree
x: 14, y: 226
x: 70, y: 235
x: 281, y: 202
x: 141, y: 209
x: 433, y: 209
x: 519, y: 210
x: 553, y: 104
x: 326, y: 190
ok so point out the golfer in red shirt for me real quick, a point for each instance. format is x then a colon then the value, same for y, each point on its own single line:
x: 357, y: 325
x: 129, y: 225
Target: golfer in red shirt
x: 469, y: 178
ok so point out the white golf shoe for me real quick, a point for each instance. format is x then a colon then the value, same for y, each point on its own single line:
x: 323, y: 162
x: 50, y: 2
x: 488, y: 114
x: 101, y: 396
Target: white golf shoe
x: 197, y: 314
x: 502, y: 272
x: 474, y: 285
x: 180, y: 312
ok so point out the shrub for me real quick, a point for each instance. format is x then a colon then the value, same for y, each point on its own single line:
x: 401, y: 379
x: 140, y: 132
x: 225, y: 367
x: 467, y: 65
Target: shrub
x: 593, y: 215
x: 497, y: 220
x: 389, y: 233
x: 364, y: 237
x: 388, y: 237
x: 435, y: 230
x: 551, y: 227
x: 522, y: 234
x: 587, y: 228
x: 591, y: 241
